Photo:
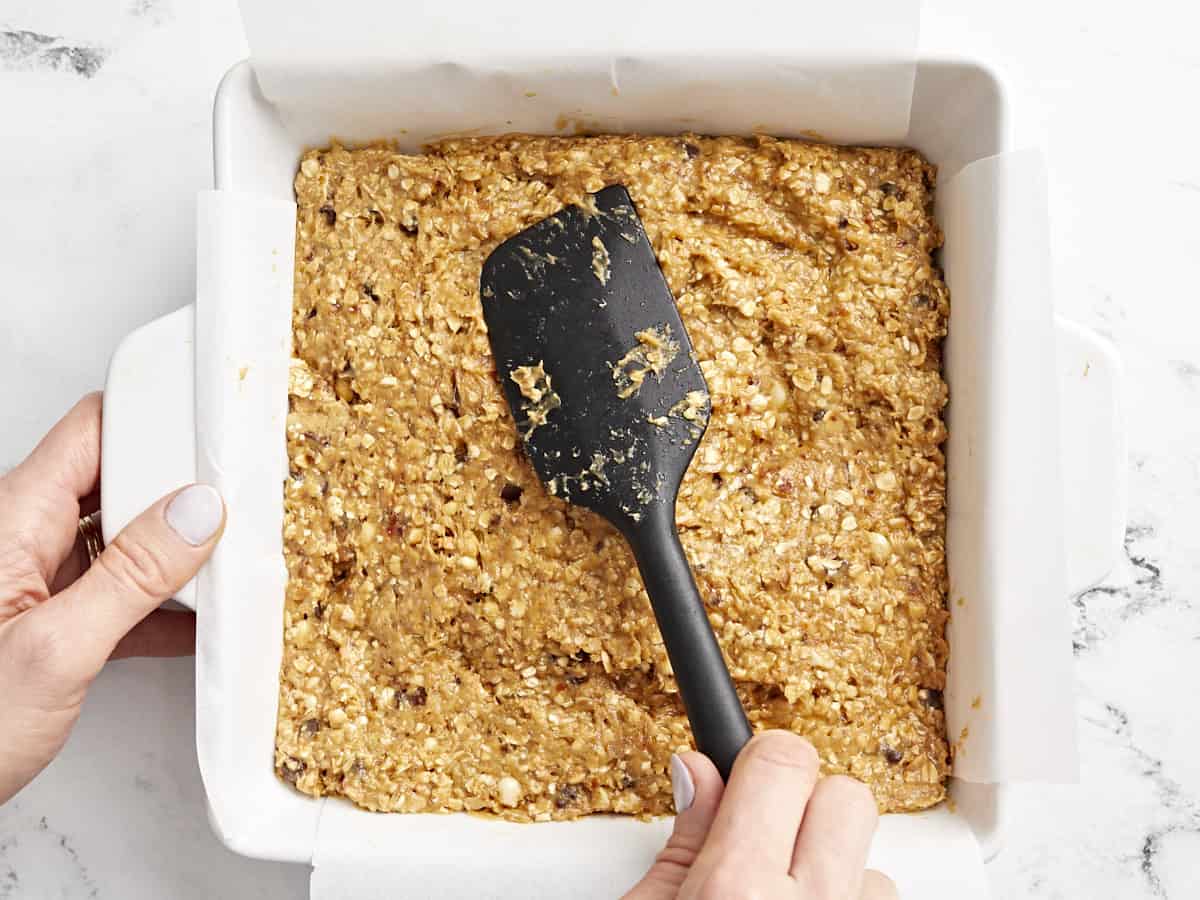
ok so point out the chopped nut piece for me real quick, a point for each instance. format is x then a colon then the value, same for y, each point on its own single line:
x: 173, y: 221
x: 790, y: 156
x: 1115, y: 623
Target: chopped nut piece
x: 881, y: 548
x: 509, y: 791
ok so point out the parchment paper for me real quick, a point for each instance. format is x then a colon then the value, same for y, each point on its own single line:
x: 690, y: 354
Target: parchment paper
x: 362, y: 70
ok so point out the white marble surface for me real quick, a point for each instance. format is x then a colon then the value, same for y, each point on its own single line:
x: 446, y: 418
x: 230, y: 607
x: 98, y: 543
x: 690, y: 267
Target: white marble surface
x: 106, y: 141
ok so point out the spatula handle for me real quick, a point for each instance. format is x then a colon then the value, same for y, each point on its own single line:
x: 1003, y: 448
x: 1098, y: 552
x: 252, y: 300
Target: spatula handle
x: 718, y: 721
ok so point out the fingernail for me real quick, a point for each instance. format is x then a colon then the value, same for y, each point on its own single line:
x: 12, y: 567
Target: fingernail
x: 195, y: 513
x: 682, y: 786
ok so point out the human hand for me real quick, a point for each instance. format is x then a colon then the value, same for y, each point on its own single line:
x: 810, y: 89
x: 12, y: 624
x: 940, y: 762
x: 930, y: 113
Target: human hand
x: 60, y: 620
x: 777, y: 830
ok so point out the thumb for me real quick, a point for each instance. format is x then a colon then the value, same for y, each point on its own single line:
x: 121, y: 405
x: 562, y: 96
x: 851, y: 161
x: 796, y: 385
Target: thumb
x: 147, y: 563
x: 697, y: 787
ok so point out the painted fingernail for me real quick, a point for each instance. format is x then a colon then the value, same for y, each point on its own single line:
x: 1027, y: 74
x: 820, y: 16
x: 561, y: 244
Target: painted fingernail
x: 195, y: 513
x: 682, y: 786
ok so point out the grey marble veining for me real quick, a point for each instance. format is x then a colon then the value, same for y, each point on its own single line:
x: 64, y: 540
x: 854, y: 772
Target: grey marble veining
x: 32, y: 849
x: 31, y: 51
x: 1100, y: 609
x: 106, y: 111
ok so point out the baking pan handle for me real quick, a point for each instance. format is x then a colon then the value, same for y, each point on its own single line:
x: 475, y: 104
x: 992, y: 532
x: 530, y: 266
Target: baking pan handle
x: 148, y: 429
x: 1094, y: 465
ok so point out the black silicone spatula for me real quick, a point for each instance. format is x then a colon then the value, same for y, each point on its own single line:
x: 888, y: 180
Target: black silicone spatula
x: 610, y: 402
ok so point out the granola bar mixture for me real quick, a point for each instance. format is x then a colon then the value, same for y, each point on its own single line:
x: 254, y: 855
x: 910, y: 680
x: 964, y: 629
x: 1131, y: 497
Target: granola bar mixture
x: 455, y: 638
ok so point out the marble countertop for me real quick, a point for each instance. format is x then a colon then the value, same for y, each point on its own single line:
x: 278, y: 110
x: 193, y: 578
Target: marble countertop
x: 106, y: 111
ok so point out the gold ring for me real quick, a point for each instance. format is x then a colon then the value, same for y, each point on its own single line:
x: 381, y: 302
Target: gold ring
x: 93, y: 540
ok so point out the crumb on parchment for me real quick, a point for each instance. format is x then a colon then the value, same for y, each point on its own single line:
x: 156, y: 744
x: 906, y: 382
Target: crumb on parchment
x: 458, y: 639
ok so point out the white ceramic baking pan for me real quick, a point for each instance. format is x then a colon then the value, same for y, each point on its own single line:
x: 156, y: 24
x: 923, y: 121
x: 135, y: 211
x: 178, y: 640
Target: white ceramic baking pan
x: 1036, y: 497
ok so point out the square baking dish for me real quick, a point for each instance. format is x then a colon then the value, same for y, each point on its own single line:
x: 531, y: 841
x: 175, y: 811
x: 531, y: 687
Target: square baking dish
x: 1034, y: 455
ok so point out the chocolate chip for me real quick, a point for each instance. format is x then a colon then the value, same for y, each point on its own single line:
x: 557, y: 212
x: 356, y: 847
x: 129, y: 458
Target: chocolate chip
x: 932, y: 698
x: 891, y: 754
x: 818, y: 415
x: 342, y: 568
x: 309, y: 727
x: 843, y: 223
x: 567, y: 795
x: 312, y: 313
x: 370, y: 292
x: 691, y: 150
x: 291, y: 769
x: 511, y: 493
x: 329, y: 213
x: 461, y: 451
x: 394, y: 523
x: 414, y: 696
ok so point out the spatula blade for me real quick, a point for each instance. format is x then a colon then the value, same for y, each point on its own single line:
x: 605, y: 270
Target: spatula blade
x: 594, y: 359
